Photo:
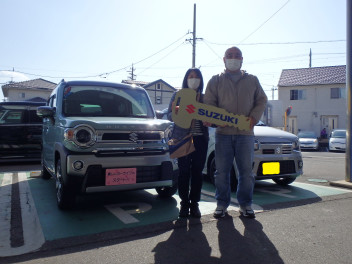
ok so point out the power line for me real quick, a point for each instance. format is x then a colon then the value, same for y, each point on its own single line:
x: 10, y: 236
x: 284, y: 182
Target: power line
x: 101, y: 74
x: 277, y: 43
x: 265, y: 22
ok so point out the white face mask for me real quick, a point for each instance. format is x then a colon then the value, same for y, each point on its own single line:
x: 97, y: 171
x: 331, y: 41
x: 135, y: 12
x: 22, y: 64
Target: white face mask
x: 193, y: 83
x: 233, y: 64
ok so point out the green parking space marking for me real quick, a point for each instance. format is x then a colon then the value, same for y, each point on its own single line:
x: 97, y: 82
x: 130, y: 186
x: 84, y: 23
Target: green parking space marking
x: 90, y: 216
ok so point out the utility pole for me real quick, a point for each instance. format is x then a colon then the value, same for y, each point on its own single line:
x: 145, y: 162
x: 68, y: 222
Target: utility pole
x: 310, y: 58
x: 132, y: 75
x: 194, y: 39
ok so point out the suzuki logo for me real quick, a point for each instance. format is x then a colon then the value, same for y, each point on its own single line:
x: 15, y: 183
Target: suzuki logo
x: 190, y: 109
x: 278, y: 150
x: 133, y: 137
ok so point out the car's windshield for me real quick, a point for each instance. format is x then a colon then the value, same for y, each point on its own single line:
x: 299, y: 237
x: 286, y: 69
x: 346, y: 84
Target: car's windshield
x: 338, y: 134
x: 306, y: 134
x: 106, y: 101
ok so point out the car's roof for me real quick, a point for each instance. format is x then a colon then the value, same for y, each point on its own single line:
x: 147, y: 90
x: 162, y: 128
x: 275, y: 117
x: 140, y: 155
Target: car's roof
x: 23, y: 103
x: 101, y: 83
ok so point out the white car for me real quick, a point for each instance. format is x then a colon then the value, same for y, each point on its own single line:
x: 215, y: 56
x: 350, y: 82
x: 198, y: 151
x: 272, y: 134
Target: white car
x: 308, y: 140
x: 277, y: 156
x: 337, y: 140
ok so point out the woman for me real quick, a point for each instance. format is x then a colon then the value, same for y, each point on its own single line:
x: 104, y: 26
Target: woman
x: 190, y: 167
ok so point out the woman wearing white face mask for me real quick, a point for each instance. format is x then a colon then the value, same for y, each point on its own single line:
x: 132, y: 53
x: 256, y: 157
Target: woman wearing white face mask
x: 190, y: 167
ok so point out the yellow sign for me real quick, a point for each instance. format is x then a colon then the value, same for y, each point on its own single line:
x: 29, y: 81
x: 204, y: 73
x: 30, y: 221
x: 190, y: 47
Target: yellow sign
x: 271, y: 168
x: 189, y: 109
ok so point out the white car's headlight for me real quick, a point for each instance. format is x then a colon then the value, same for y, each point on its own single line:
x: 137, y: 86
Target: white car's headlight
x: 256, y: 145
x: 83, y: 136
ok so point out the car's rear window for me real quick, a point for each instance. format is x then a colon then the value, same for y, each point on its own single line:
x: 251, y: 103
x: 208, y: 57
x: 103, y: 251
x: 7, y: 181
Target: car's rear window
x: 106, y: 101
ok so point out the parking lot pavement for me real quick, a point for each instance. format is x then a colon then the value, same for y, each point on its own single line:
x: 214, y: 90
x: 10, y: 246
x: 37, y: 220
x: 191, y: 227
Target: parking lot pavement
x: 105, y: 216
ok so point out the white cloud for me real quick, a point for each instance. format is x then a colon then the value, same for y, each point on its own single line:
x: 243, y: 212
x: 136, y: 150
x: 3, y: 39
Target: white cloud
x: 12, y: 76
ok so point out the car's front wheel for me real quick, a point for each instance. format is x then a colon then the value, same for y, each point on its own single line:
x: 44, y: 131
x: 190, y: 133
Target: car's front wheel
x: 64, y: 197
x: 211, y: 174
x: 284, y: 181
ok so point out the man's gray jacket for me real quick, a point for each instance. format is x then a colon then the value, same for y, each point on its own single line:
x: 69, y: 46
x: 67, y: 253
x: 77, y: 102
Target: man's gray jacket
x: 245, y: 97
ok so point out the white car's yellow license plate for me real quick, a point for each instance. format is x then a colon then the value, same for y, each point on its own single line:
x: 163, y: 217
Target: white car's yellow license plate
x: 271, y: 168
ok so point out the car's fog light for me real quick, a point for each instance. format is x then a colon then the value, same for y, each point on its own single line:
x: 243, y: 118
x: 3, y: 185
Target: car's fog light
x: 300, y: 164
x: 78, y: 165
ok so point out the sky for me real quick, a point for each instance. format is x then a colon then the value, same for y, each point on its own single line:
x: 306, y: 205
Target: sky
x: 102, y: 39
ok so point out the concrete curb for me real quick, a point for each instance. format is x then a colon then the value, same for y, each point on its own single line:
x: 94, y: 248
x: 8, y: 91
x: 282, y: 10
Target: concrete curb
x: 341, y: 183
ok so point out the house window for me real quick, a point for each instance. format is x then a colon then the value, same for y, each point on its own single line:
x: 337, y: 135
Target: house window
x: 22, y: 95
x: 297, y: 94
x: 337, y: 93
x: 158, y: 86
x: 158, y: 100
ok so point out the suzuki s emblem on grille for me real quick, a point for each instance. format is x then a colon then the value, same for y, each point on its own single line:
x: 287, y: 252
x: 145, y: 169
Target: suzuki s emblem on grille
x: 133, y: 137
x: 278, y: 150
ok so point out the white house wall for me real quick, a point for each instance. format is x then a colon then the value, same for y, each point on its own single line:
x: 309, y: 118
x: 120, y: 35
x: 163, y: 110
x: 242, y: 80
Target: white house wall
x: 309, y: 112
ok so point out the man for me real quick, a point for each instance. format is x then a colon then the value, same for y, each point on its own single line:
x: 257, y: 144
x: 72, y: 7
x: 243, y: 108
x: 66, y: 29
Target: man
x: 241, y: 94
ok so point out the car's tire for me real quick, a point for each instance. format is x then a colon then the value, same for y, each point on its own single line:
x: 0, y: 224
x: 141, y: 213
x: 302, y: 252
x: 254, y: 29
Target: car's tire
x: 64, y: 197
x: 211, y: 175
x: 166, y: 192
x: 284, y: 181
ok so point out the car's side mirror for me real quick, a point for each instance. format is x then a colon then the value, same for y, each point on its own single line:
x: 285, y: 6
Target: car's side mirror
x: 159, y: 114
x: 46, y: 111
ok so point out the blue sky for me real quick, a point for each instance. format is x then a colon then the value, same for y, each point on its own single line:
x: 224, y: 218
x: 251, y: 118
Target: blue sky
x: 100, y: 40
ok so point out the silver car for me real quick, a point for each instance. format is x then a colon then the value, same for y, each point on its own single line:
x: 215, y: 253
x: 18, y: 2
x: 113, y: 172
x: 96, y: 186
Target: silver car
x: 308, y: 140
x: 277, y: 156
x: 337, y: 140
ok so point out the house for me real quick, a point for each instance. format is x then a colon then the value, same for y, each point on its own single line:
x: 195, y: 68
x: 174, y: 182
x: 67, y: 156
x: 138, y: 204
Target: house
x: 160, y: 92
x: 37, y: 90
x: 317, y: 96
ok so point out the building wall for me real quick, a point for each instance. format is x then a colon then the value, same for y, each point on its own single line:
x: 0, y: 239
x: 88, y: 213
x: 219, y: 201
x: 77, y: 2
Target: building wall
x: 17, y: 94
x: 313, y: 112
x: 160, y: 95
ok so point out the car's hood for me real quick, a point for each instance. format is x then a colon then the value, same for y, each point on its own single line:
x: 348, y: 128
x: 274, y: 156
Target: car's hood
x: 118, y: 123
x: 272, y: 135
x: 338, y: 140
x: 307, y: 140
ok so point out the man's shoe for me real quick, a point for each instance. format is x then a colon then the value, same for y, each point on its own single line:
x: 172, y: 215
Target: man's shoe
x: 184, y: 211
x: 195, y: 212
x: 220, y: 212
x: 247, y: 212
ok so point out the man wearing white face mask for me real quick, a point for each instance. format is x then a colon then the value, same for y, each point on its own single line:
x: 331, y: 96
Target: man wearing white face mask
x: 239, y: 93
x: 190, y: 178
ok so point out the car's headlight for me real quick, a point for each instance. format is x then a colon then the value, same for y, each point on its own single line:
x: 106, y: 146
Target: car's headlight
x: 256, y: 144
x: 295, y: 145
x: 168, y: 133
x: 82, y: 135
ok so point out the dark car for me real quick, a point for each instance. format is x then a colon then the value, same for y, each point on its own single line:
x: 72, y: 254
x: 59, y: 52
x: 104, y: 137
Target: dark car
x: 20, y: 131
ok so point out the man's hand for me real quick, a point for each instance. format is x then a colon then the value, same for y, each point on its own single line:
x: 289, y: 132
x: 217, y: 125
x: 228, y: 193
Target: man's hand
x: 252, y: 122
x: 176, y: 108
x: 207, y: 124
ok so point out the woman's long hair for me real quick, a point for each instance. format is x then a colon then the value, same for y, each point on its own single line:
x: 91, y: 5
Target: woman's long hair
x: 199, y: 75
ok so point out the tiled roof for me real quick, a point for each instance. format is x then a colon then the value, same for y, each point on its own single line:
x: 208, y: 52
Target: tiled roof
x: 139, y: 83
x: 313, y: 76
x: 31, y: 84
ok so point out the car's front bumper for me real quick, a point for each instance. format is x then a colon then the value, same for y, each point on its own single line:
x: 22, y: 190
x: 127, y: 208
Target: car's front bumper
x: 151, y: 171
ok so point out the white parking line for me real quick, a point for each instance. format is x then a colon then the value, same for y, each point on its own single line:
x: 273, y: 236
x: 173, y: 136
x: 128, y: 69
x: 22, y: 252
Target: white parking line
x: 32, y: 232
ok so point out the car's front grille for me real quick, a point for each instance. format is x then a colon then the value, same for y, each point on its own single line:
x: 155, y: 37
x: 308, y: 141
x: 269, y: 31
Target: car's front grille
x: 131, y: 136
x: 277, y: 149
x: 95, y: 175
x: 286, y: 167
